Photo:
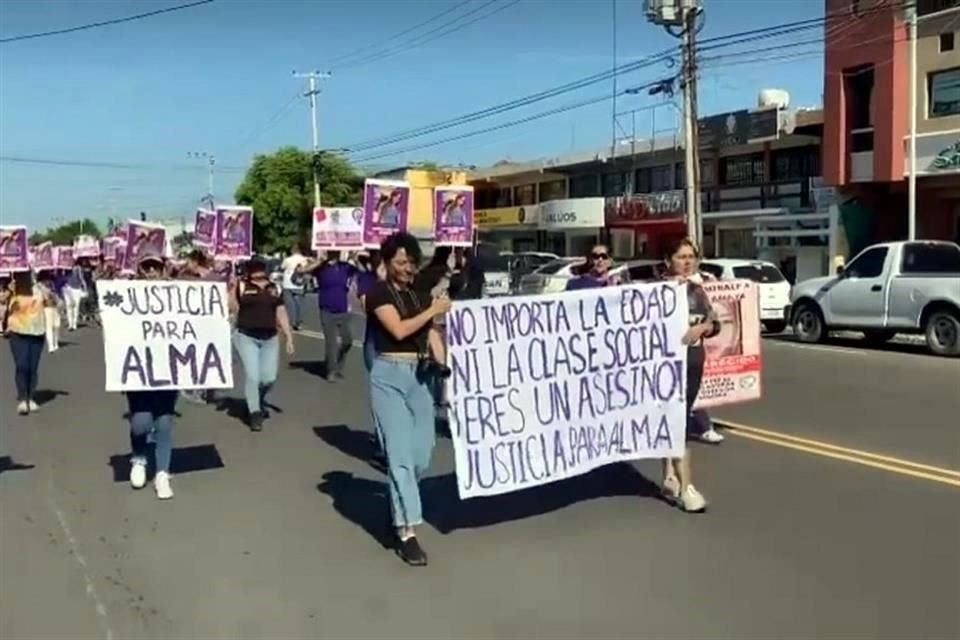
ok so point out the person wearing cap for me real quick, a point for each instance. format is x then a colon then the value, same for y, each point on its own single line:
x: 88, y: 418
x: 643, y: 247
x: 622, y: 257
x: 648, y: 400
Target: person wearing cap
x: 151, y: 415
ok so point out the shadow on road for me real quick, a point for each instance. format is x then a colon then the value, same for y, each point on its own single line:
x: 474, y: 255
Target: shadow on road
x: 364, y: 501
x: 202, y: 457
x: 361, y: 445
x: 859, y: 343
x: 313, y: 367
x: 45, y: 396
x: 7, y: 464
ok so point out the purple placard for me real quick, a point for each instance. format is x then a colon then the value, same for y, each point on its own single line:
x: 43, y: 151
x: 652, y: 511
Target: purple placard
x: 14, y: 252
x: 205, y: 229
x: 453, y: 216
x: 64, y: 257
x: 86, y: 247
x: 143, y: 241
x: 234, y: 233
x: 386, y: 205
x: 44, y: 257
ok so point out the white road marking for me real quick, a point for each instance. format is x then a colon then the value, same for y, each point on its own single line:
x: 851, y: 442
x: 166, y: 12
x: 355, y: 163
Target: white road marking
x: 75, y: 552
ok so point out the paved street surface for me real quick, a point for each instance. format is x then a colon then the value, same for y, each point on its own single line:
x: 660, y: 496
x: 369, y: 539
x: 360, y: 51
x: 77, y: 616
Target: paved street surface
x: 272, y: 535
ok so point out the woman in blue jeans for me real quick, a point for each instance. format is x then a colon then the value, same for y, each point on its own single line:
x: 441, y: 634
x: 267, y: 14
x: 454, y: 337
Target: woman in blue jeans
x: 260, y: 314
x: 151, y: 417
x: 402, y: 321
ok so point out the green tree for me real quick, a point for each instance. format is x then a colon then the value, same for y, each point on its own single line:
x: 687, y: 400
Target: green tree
x: 65, y: 233
x: 279, y: 187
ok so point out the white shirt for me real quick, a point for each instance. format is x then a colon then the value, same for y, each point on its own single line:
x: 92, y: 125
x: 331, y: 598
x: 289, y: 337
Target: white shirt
x: 289, y: 267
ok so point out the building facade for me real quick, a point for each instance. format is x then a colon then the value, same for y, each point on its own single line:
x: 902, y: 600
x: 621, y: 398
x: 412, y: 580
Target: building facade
x: 866, y: 132
x: 422, y: 183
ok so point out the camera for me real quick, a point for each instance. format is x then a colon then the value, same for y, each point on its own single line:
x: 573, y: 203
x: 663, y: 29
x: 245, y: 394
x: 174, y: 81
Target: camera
x: 428, y: 368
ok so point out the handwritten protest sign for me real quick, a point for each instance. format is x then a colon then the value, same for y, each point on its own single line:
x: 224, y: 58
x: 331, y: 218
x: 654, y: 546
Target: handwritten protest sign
x: 453, y: 216
x: 86, y: 247
x: 160, y: 334
x: 43, y: 257
x: 733, y: 369
x: 337, y: 229
x: 205, y: 229
x: 234, y: 233
x: 549, y: 387
x: 14, y: 251
x: 144, y: 240
x: 386, y: 205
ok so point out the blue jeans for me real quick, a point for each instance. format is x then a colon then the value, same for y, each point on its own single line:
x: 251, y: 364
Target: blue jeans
x: 260, y: 360
x: 404, y: 419
x: 151, y: 417
x: 369, y: 351
x: 26, y: 350
x: 291, y: 300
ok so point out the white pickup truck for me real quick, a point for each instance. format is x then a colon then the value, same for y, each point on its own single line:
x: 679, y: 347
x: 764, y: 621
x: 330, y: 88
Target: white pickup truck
x: 898, y: 287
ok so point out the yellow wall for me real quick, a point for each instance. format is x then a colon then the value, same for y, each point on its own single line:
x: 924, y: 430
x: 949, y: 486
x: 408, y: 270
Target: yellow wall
x: 422, y: 184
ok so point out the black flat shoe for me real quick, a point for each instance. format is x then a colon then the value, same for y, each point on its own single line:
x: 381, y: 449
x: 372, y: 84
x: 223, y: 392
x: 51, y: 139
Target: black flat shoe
x: 256, y: 421
x: 411, y: 552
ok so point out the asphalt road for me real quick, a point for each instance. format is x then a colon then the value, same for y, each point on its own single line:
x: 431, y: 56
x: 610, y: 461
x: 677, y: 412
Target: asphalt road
x: 269, y: 535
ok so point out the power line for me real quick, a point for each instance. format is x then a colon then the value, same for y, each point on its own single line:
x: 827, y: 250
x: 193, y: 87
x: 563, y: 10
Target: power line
x: 434, y: 34
x: 352, y: 54
x: 105, y: 23
x: 94, y: 164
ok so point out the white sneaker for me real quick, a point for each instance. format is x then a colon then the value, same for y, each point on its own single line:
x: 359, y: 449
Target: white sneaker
x: 692, y: 501
x: 138, y: 474
x: 162, y: 485
x: 33, y: 406
x: 23, y: 408
x: 711, y: 436
x: 671, y: 488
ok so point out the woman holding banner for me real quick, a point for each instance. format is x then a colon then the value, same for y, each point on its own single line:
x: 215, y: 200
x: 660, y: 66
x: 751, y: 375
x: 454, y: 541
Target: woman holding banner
x: 402, y: 321
x: 260, y: 314
x: 682, y: 261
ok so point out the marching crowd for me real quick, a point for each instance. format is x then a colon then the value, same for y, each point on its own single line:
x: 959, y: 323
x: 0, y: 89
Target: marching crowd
x: 403, y: 347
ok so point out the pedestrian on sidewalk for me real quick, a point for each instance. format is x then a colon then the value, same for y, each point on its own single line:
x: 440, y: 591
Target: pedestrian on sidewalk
x: 293, y: 284
x: 333, y: 276
x: 403, y: 409
x: 682, y: 261
x: 151, y: 415
x: 26, y: 328
x: 260, y: 316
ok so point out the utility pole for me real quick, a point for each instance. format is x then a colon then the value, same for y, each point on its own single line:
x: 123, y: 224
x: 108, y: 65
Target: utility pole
x: 912, y: 171
x: 682, y: 15
x: 211, y: 162
x: 313, y: 77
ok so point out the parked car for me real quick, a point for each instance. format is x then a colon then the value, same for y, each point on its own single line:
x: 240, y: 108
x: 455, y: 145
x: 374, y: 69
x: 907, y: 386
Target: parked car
x: 898, y: 287
x: 553, y: 276
x: 527, y: 262
x: 774, y: 288
x: 496, y: 275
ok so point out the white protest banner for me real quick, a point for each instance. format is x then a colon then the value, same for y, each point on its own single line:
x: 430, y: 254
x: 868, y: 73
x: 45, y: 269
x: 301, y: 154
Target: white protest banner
x: 337, y: 229
x: 549, y: 387
x: 161, y: 334
x: 733, y: 368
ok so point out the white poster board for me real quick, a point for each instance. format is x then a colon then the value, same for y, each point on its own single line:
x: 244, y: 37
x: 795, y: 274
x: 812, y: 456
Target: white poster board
x: 163, y: 334
x: 550, y: 387
x: 337, y: 229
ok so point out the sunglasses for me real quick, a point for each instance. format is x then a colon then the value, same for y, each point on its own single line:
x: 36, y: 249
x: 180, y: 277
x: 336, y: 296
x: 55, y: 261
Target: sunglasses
x: 599, y: 256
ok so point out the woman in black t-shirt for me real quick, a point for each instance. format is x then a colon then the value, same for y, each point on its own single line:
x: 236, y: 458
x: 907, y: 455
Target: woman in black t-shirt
x: 401, y: 321
x: 260, y: 317
x: 682, y: 260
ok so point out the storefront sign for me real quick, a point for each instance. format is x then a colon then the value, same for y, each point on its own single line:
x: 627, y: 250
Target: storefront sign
x: 641, y: 208
x: 739, y: 127
x: 936, y: 155
x: 505, y: 217
x: 574, y: 213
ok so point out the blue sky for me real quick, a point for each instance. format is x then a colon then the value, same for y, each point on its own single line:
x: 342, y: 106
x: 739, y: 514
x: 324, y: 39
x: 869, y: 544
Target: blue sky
x: 216, y: 79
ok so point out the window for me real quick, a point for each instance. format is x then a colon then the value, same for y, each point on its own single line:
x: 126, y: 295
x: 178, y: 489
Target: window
x: 614, y: 184
x: 551, y: 268
x: 524, y: 195
x: 584, y: 186
x: 926, y: 7
x: 946, y: 42
x: 763, y: 273
x: 931, y: 258
x: 943, y: 89
x: 868, y: 264
x: 680, y: 175
x: 654, y: 179
x: 740, y: 170
x: 643, y: 272
x: 553, y: 190
x: 706, y: 173
x: 713, y: 269
x: 795, y: 164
